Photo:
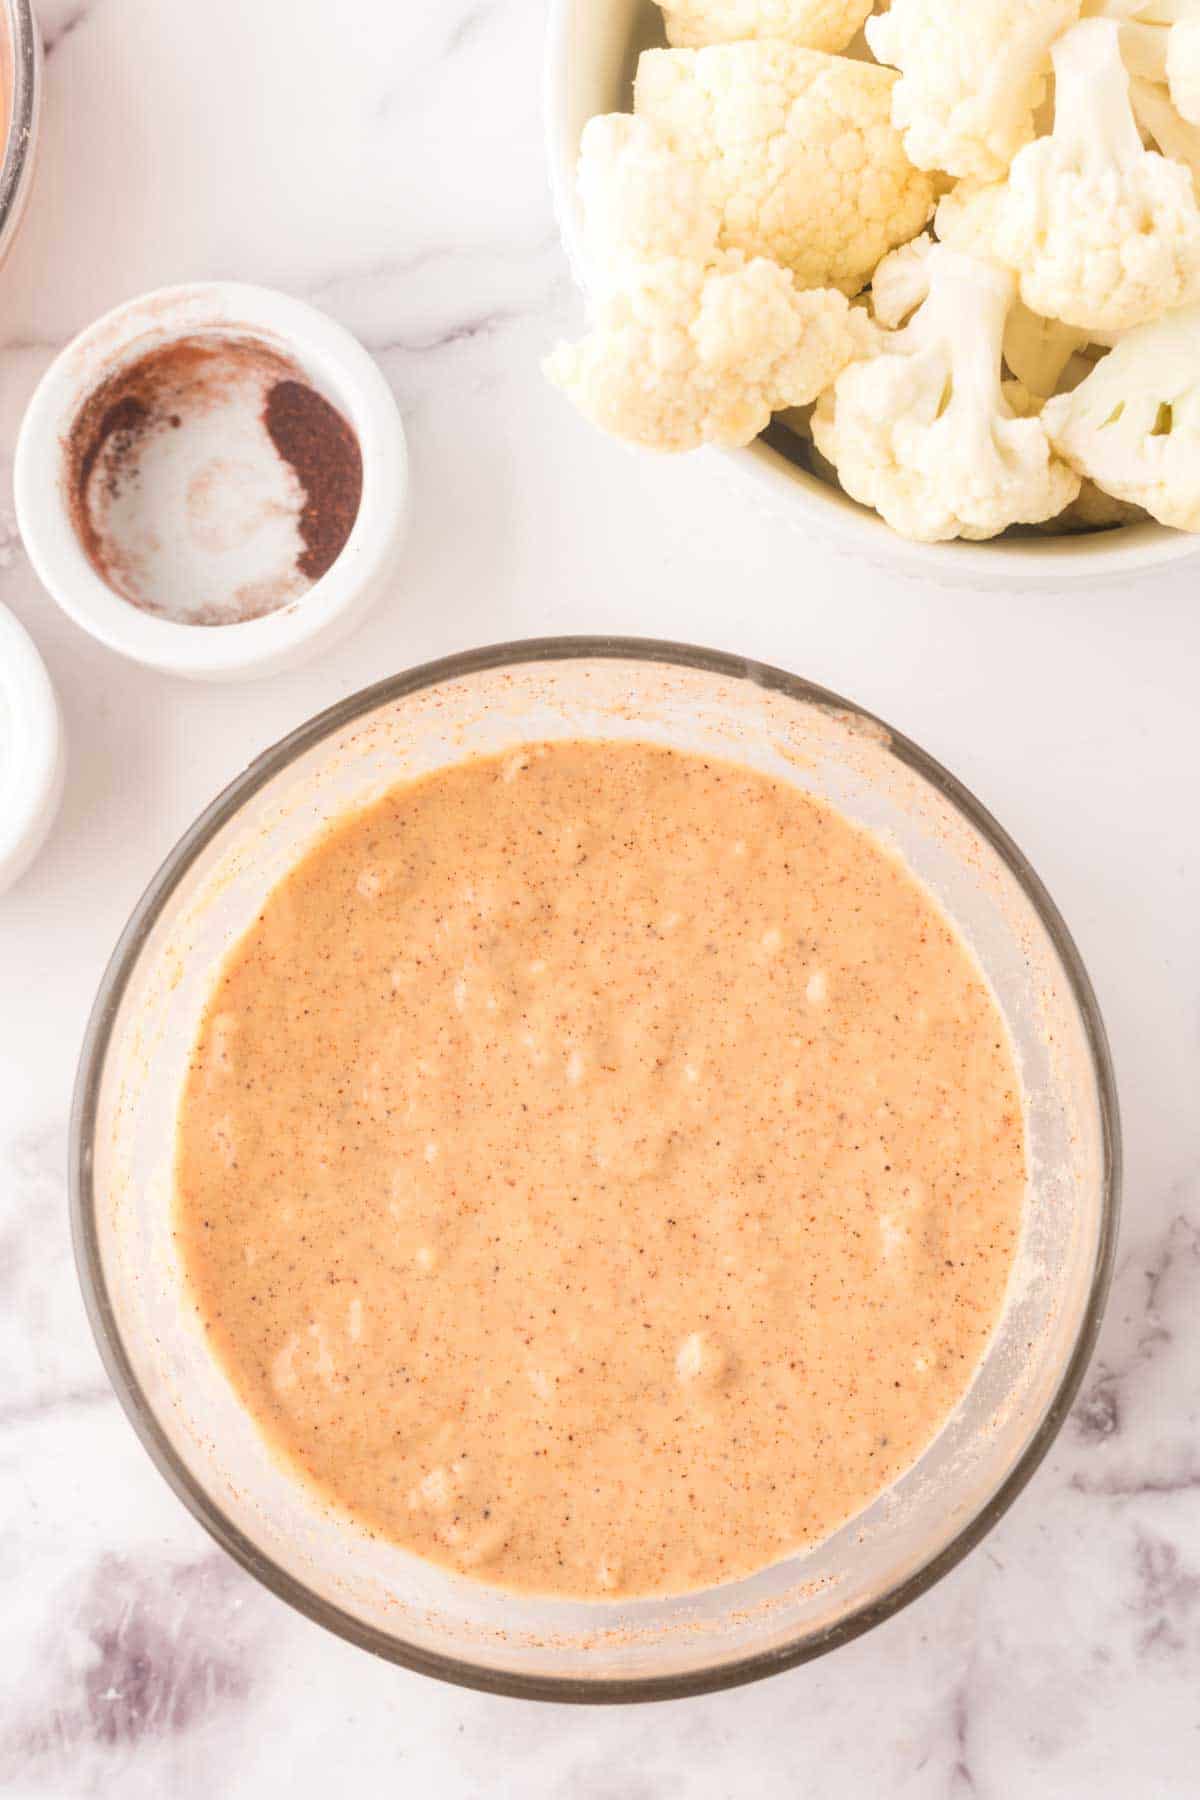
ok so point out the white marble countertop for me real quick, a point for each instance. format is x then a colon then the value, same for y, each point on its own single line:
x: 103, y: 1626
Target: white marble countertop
x: 389, y: 167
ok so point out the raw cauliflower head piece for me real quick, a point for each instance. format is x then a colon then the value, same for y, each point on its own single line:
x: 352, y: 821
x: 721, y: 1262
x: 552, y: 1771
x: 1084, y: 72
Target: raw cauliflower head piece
x: 973, y: 73
x: 813, y: 24
x: 924, y: 432
x: 798, y: 150
x: 1183, y: 67
x: 639, y: 199
x: 901, y: 283
x: 1133, y: 426
x: 967, y: 217
x: 684, y: 354
x: 1161, y: 122
x: 1160, y: 42
x: 1094, y: 510
x: 1103, y: 233
x: 1038, y: 351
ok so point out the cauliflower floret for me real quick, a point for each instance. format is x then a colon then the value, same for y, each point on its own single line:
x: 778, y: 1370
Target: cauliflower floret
x: 1133, y: 426
x: 901, y: 283
x: 683, y: 353
x: 973, y: 75
x: 923, y: 431
x: 813, y: 24
x: 1183, y: 66
x: 1094, y: 510
x: 1160, y: 42
x: 1024, y: 404
x: 1091, y: 509
x: 799, y: 153
x: 967, y: 218
x: 691, y: 344
x: 1103, y: 233
x: 1162, y: 123
x: 639, y: 199
x: 1037, y: 351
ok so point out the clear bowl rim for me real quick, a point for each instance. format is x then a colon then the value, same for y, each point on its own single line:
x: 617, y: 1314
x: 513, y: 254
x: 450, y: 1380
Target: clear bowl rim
x: 20, y: 130
x: 461, y: 1671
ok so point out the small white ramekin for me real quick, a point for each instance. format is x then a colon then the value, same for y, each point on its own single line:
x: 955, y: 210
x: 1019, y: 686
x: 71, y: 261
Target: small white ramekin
x: 337, y: 365
x: 32, y: 751
x: 591, y: 55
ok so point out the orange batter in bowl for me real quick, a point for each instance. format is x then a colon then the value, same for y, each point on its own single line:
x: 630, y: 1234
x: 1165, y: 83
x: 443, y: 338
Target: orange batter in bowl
x: 600, y: 1168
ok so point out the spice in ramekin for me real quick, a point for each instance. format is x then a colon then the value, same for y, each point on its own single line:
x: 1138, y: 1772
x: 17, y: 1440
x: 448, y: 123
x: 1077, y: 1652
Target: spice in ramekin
x: 209, y: 482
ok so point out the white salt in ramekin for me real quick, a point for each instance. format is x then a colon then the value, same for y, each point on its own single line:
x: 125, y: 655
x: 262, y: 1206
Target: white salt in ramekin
x: 335, y: 363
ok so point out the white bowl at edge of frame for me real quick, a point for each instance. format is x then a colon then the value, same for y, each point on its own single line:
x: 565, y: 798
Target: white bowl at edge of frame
x: 591, y: 53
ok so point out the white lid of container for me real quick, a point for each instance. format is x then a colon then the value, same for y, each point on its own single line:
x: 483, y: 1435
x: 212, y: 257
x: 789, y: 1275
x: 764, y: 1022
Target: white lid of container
x: 32, y: 751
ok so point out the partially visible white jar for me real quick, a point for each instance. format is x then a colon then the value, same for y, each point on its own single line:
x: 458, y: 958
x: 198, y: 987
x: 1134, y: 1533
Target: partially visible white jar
x: 32, y: 751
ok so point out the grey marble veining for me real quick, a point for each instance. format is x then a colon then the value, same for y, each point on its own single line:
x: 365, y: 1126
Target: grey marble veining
x: 385, y: 161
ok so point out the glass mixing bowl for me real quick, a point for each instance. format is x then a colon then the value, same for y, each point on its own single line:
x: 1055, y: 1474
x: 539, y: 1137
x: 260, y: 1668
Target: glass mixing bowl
x: 20, y: 101
x: 123, y: 1128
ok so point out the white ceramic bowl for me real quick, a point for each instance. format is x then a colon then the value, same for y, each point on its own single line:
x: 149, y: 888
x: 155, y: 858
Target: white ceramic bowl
x: 592, y: 48
x: 335, y: 363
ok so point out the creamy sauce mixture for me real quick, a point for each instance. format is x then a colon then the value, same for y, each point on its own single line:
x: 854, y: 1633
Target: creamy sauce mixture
x: 599, y: 1169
